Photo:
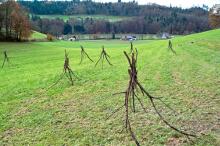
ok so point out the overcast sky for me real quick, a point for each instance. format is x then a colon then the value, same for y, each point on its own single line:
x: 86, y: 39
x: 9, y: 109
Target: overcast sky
x: 179, y: 3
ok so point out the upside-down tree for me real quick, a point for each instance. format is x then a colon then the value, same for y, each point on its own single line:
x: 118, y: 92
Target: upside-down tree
x: 103, y: 56
x: 67, y: 71
x: 131, y: 94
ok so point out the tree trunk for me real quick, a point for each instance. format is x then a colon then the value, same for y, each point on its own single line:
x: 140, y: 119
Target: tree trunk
x: 6, y: 21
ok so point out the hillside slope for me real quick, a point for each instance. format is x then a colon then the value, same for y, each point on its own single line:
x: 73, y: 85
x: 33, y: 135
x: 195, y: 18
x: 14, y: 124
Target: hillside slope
x: 189, y: 82
x: 37, y: 36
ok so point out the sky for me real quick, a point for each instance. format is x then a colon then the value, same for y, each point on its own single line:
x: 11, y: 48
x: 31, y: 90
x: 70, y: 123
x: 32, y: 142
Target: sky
x: 179, y: 3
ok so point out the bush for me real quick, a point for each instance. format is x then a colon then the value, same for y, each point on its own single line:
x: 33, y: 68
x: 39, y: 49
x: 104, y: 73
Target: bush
x: 50, y: 37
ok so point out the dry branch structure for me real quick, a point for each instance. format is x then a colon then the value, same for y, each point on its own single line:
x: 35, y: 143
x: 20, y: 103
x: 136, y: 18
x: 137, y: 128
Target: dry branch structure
x: 67, y: 71
x: 130, y: 96
x: 103, y: 56
x: 84, y: 54
x: 170, y: 47
x: 132, y: 48
x: 6, y: 58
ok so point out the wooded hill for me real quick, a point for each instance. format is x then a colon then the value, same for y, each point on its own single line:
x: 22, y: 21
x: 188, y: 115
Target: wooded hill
x: 149, y: 18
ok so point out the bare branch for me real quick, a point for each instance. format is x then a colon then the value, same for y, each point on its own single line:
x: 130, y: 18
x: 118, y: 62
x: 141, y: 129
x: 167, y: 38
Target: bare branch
x: 117, y: 110
x: 6, y: 58
x: 83, y: 53
x: 103, y: 56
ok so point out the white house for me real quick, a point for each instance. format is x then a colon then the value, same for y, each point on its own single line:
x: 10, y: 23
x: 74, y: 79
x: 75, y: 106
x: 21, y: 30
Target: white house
x: 165, y: 36
x: 129, y: 38
x: 72, y: 38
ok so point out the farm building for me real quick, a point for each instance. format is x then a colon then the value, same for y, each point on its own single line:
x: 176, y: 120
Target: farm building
x: 129, y: 38
x: 73, y: 38
x: 165, y: 36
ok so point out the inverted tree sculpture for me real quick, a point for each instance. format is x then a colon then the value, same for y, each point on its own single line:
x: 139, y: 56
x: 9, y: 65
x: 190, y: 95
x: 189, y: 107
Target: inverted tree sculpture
x: 103, y: 56
x: 131, y: 94
x: 83, y: 54
x: 67, y: 71
x: 170, y: 47
x: 6, y: 58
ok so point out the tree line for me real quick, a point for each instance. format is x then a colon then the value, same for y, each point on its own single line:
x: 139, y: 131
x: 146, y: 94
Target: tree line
x: 92, y: 8
x: 148, y: 18
x: 137, y: 25
x: 14, y: 22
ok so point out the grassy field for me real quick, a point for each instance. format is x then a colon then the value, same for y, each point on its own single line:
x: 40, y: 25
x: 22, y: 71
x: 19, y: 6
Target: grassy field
x: 76, y: 115
x: 38, y: 36
x: 96, y: 17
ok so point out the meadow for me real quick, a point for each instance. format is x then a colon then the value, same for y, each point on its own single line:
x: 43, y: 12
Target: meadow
x: 31, y: 113
x: 95, y: 17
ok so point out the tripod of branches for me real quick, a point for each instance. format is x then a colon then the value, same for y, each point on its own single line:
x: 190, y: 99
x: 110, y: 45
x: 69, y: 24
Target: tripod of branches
x: 130, y: 95
x: 83, y: 53
x: 67, y: 71
x: 132, y: 48
x: 6, y: 58
x: 103, y: 56
x: 170, y: 47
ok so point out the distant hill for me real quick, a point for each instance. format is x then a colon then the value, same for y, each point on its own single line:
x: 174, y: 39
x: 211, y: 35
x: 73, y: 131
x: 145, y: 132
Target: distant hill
x: 145, y: 18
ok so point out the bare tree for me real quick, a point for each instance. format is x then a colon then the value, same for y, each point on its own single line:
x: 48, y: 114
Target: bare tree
x: 16, y: 23
x: 214, y: 20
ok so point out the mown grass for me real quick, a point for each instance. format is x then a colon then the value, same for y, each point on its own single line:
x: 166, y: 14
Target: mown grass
x: 96, y: 17
x: 76, y: 115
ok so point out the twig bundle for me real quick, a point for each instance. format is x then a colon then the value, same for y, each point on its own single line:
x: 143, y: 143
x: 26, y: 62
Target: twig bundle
x: 132, y: 48
x: 6, y: 58
x: 103, y: 56
x: 83, y: 53
x: 67, y: 71
x: 131, y: 93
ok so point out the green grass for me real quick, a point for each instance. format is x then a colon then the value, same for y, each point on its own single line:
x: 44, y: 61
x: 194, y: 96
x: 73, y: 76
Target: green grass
x: 37, y: 36
x: 76, y: 115
x: 96, y: 17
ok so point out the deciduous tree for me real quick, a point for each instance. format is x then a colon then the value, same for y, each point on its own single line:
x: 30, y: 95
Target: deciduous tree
x: 14, y: 21
x: 214, y: 20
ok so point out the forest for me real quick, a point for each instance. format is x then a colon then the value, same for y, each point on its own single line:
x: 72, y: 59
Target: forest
x: 148, y: 19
